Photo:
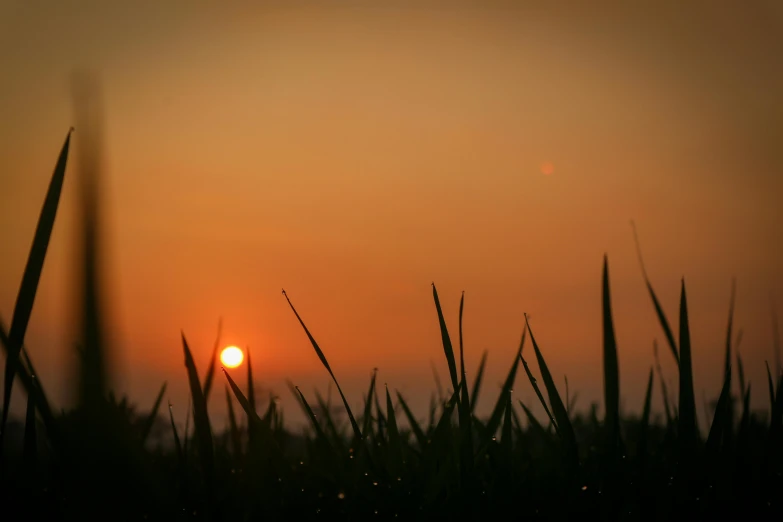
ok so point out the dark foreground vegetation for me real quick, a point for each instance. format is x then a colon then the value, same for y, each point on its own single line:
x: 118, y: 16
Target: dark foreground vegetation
x: 382, y: 463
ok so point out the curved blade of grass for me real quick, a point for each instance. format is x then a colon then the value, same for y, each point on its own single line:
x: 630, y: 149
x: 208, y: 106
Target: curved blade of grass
x: 200, y: 418
x: 356, y: 431
x: 497, y: 412
x: 447, y: 348
x: 236, y: 440
x: 533, y: 422
x: 367, y: 419
x: 320, y: 435
x: 421, y: 439
x: 611, y: 368
x: 31, y: 277
x: 150, y: 421
x: 688, y: 429
x: 721, y: 420
x: 30, y: 448
x: 32, y: 386
x: 505, y: 434
x: 564, y: 427
x: 395, y: 443
x: 658, y: 309
x: 186, y: 434
x: 211, y: 369
x: 465, y: 424
x: 664, y: 391
x: 538, y: 393
x: 177, y: 443
x: 645, y: 422
x: 477, y: 383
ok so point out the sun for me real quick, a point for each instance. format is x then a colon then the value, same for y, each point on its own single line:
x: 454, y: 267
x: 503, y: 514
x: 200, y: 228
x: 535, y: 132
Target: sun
x: 231, y: 356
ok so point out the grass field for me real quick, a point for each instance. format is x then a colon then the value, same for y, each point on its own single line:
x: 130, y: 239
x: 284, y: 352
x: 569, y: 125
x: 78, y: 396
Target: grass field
x: 383, y: 462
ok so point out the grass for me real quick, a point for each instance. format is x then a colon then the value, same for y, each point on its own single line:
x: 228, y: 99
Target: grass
x: 95, y: 461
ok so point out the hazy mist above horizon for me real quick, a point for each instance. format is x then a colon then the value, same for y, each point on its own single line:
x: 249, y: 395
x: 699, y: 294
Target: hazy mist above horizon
x: 353, y: 155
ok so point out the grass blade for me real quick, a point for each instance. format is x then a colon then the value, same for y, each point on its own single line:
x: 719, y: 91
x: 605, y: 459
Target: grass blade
x: 177, y: 443
x: 30, y: 448
x: 611, y: 368
x: 688, y: 430
x: 356, y: 431
x: 538, y: 393
x: 211, y: 369
x: 447, y: 348
x: 666, y: 407
x: 236, y: 440
x: 645, y: 421
x: 465, y: 424
x: 477, y: 383
x: 658, y: 309
x: 497, y: 412
x: 367, y: 419
x: 153, y: 415
x: 720, y: 422
x: 200, y: 418
x: 31, y: 277
x: 421, y: 438
x: 564, y: 427
x: 395, y: 443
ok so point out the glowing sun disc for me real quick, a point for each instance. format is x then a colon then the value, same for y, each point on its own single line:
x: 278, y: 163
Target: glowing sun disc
x: 231, y: 356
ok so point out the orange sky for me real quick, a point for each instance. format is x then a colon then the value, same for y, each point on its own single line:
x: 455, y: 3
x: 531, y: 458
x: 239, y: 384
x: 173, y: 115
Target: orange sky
x: 353, y: 155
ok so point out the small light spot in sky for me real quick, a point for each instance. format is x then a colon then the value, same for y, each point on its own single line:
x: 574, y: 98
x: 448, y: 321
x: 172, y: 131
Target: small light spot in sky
x: 547, y: 168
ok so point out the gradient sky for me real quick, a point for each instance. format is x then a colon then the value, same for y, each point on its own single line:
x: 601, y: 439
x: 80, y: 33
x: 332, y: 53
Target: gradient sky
x: 354, y: 155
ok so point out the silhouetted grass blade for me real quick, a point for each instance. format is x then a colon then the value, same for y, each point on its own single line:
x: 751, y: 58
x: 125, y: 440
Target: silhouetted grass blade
x: 496, y: 417
x: 211, y: 368
x: 177, y: 443
x: 658, y: 309
x: 645, y: 422
x: 721, y: 422
x: 421, y: 439
x: 356, y: 431
x: 664, y: 391
x: 200, y: 418
x: 477, y: 383
x: 236, y: 440
x: 31, y: 277
x: 688, y: 430
x: 395, y: 443
x: 367, y: 418
x: 447, y: 348
x: 611, y: 370
x: 33, y: 387
x: 30, y: 448
x: 565, y: 429
x: 538, y: 392
x: 147, y: 428
x: 320, y: 435
x: 465, y: 424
